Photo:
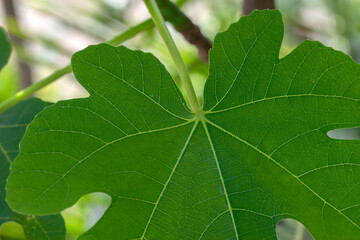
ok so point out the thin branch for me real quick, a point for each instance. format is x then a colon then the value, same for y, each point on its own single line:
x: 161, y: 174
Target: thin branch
x: 33, y: 88
x: 23, y: 94
x: 251, y: 5
x: 131, y: 32
x: 186, y: 27
x: 11, y: 21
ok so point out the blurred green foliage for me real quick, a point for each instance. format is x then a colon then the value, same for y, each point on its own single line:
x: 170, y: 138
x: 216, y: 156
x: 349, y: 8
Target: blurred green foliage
x: 9, y: 82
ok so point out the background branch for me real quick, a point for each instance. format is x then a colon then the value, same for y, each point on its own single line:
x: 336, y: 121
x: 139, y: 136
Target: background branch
x: 251, y: 5
x: 173, y: 15
x: 11, y: 21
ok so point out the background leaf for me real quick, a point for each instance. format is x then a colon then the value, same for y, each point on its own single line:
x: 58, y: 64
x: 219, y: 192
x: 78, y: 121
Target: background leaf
x: 12, y: 127
x: 5, y: 48
x: 257, y: 154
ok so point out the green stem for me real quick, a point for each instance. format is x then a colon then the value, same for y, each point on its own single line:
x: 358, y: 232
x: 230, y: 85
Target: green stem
x: 174, y: 52
x: 148, y: 24
x: 33, y: 88
x: 131, y: 32
x: 191, y: 32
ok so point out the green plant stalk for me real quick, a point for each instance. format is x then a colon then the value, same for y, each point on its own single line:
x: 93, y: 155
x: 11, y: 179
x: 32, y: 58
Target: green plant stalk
x: 175, y: 54
x: 33, y: 88
x: 191, y: 32
x: 131, y: 32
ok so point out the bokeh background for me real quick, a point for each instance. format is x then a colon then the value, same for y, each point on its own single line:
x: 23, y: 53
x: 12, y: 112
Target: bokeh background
x: 47, y: 32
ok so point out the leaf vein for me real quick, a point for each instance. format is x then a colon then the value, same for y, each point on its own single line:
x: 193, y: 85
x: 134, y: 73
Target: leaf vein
x: 283, y: 168
x: 137, y: 90
x: 221, y: 178
x: 169, y: 179
x: 280, y: 97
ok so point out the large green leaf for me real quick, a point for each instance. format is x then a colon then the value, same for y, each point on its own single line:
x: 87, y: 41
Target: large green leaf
x: 256, y: 154
x: 5, y: 48
x: 12, y: 127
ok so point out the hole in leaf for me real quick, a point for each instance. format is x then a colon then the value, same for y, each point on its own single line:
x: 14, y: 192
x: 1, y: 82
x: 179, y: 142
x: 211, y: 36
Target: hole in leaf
x: 292, y: 229
x: 85, y: 213
x: 11, y: 230
x: 345, y: 133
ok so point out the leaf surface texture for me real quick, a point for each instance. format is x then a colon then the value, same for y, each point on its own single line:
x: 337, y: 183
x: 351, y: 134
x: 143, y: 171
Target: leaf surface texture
x: 13, y: 123
x: 258, y: 152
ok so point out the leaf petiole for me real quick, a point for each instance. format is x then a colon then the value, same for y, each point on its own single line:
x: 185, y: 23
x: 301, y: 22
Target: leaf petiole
x: 174, y: 52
